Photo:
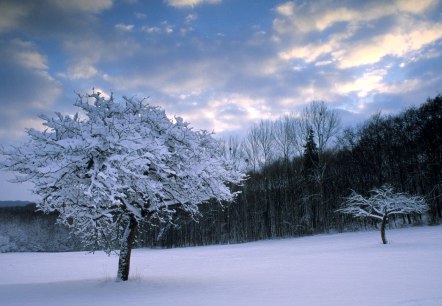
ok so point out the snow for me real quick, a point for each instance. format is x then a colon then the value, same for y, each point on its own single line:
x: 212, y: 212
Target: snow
x: 127, y: 159
x: 338, y: 269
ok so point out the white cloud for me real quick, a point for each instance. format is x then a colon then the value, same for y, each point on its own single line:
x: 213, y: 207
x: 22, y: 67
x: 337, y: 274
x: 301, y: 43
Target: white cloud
x: 26, y: 55
x: 370, y: 81
x: 408, y: 34
x: 191, y: 17
x: 229, y: 113
x: 165, y: 28
x: 32, y: 59
x: 310, y: 52
x: 286, y: 9
x: 191, y: 3
x: 81, y: 71
x: 124, y: 27
x: 27, y: 88
x: 151, y: 29
x: 397, y: 43
x: 316, y: 16
x: 413, y: 6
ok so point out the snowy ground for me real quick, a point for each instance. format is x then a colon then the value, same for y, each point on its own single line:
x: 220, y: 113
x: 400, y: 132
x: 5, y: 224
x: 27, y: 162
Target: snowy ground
x: 340, y: 269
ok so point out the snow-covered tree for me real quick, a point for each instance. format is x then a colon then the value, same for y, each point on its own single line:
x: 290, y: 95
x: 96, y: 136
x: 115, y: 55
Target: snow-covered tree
x: 118, y: 164
x: 383, y: 203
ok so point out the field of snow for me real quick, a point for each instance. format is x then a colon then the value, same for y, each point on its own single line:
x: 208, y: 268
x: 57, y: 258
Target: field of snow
x: 338, y: 269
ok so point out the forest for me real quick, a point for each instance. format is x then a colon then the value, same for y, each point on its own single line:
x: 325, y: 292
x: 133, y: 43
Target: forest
x: 299, y: 170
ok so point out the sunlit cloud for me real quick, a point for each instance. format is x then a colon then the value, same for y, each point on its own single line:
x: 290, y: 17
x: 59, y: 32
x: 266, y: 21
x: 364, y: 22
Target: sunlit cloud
x: 286, y: 9
x: 407, y: 34
x: 80, y: 71
x: 363, y: 85
x: 315, y: 16
x: 397, y: 43
x: 230, y: 113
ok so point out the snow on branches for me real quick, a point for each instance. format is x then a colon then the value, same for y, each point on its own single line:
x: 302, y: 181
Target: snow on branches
x: 383, y: 203
x: 118, y: 164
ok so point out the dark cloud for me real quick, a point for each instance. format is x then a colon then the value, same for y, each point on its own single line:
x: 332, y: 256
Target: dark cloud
x: 53, y: 18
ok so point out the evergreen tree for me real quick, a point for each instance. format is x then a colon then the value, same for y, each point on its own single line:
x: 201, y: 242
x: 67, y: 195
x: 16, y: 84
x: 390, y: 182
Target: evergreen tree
x: 311, y: 156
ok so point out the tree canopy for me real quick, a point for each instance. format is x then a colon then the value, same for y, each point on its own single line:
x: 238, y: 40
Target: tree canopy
x: 383, y: 203
x: 115, y: 164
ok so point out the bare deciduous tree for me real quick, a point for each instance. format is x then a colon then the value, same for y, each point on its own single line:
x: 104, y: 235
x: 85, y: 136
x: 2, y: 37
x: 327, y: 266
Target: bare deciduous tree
x: 383, y: 203
x: 285, y: 136
x: 259, y: 144
x: 323, y: 121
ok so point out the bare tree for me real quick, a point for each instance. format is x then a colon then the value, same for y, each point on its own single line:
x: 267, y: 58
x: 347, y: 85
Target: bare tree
x: 233, y: 149
x: 265, y: 141
x: 259, y: 144
x: 383, y: 203
x: 252, y: 149
x: 285, y: 138
x: 323, y: 121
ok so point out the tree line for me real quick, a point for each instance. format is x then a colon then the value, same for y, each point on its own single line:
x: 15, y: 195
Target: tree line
x: 23, y: 229
x: 300, y: 169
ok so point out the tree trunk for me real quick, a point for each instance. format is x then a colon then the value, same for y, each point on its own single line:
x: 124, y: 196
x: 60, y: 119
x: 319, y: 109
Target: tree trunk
x: 383, y: 224
x: 126, y: 249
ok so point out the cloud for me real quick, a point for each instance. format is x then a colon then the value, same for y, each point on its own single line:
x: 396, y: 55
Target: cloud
x: 80, y: 71
x: 10, y: 14
x: 164, y: 28
x: 416, y: 7
x: 190, y: 3
x: 140, y: 15
x: 46, y: 18
x: 320, y: 15
x: 227, y: 113
x: 368, y: 82
x: 124, y: 27
x: 27, y: 87
x: 400, y: 42
x: 286, y: 9
x: 191, y: 18
x: 316, y: 53
x: 365, y: 35
x: 93, y: 6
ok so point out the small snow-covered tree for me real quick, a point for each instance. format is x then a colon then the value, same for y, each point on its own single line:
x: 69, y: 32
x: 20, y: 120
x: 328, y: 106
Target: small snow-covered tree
x: 383, y: 203
x: 119, y: 164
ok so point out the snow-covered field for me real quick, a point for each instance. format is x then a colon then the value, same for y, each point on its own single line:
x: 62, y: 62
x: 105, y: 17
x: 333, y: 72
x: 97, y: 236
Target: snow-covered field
x: 339, y: 269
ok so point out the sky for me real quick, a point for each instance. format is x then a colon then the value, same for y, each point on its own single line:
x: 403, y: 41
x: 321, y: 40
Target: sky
x: 222, y: 65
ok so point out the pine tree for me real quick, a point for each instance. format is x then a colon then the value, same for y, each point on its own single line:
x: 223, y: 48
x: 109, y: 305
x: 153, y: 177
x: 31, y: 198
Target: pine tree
x: 311, y: 156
